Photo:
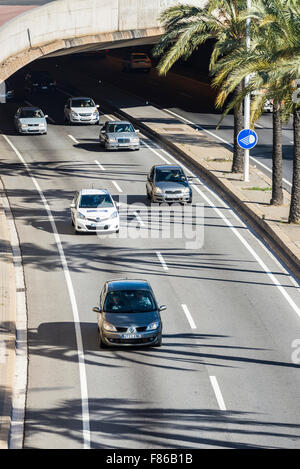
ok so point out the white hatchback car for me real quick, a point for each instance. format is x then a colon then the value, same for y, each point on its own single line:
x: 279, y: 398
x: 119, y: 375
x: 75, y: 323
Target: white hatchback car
x: 94, y: 210
x: 81, y: 110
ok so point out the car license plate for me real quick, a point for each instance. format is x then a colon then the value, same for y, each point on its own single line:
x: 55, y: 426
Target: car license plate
x: 44, y: 87
x: 131, y: 336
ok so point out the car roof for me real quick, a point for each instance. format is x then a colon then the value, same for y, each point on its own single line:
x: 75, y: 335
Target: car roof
x: 119, y: 122
x: 168, y: 166
x: 93, y: 191
x: 81, y: 97
x: 30, y: 108
x: 127, y: 284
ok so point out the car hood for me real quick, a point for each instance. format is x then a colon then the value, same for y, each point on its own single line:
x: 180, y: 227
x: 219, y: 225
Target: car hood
x: 131, y: 319
x: 84, y: 110
x: 122, y: 134
x: 170, y: 185
x: 101, y: 213
x: 32, y: 120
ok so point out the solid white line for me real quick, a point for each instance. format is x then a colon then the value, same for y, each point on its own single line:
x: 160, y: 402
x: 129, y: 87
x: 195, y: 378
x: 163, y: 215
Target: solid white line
x: 189, y: 316
x: 218, y: 393
x: 162, y: 261
x: 21, y: 364
x: 100, y: 165
x: 154, y: 151
x: 117, y: 186
x: 80, y: 352
x: 73, y: 138
x: 225, y: 141
x: 199, y: 127
x: 252, y: 252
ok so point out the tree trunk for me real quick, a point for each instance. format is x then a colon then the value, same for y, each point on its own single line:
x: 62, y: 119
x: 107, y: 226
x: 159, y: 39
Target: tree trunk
x: 294, y: 216
x: 238, y: 152
x: 277, y: 193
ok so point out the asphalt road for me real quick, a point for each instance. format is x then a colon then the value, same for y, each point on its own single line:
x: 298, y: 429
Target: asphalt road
x: 190, y: 100
x: 225, y: 376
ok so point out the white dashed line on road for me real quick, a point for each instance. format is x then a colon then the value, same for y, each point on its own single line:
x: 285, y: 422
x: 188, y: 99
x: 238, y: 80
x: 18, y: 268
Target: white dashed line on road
x: 218, y: 393
x: 117, y: 186
x: 73, y: 138
x: 189, y: 317
x: 100, y: 165
x: 162, y: 261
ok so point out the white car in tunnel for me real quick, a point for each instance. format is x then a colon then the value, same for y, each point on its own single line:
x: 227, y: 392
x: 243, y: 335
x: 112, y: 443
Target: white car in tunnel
x: 94, y: 210
x: 81, y: 110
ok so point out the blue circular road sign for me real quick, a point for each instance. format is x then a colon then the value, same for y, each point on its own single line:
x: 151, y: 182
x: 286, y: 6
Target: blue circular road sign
x: 247, y: 139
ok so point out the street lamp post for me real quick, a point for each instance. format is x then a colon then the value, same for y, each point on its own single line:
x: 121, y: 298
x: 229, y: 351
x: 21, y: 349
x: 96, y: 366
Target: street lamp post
x: 247, y: 100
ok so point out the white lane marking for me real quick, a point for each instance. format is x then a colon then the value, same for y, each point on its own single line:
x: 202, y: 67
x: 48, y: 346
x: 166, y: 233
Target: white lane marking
x: 259, y: 126
x: 162, y: 261
x: 221, y: 201
x: 225, y: 141
x: 140, y: 221
x: 154, y: 151
x: 189, y: 316
x: 252, y: 252
x: 198, y: 126
x: 80, y: 351
x: 100, y: 165
x: 117, y: 186
x: 32, y: 105
x: 73, y: 138
x: 21, y: 361
x: 218, y: 393
x: 268, y: 169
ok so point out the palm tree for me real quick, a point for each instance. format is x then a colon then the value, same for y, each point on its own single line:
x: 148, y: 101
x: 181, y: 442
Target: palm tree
x: 274, y: 36
x: 187, y: 27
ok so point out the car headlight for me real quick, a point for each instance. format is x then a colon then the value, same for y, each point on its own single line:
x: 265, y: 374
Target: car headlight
x: 80, y: 215
x: 96, y: 113
x: 23, y: 126
x: 109, y: 327
x: 42, y: 125
x: 153, y: 326
x: 74, y: 114
x: 111, y: 139
x: 186, y: 190
x: 157, y: 190
x: 114, y: 214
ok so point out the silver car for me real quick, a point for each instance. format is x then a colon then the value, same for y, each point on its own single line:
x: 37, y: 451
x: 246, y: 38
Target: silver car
x: 116, y: 135
x: 30, y: 120
x: 168, y: 183
x: 81, y: 110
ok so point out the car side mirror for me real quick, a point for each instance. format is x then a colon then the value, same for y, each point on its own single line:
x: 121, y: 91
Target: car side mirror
x: 96, y: 309
x: 97, y: 105
x: 137, y: 131
x: 162, y: 308
x: 72, y: 205
x: 102, y: 131
x: 46, y: 116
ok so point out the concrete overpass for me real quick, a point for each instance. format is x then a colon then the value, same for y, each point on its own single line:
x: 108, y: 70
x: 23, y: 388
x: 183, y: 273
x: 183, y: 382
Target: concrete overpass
x: 31, y: 29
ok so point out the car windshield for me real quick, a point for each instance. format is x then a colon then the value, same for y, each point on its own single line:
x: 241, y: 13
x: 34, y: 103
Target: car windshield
x: 29, y: 113
x: 129, y: 301
x: 95, y: 201
x: 170, y: 175
x: 112, y: 128
x: 83, y: 103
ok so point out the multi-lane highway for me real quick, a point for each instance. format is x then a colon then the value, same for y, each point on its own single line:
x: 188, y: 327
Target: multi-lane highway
x: 225, y: 375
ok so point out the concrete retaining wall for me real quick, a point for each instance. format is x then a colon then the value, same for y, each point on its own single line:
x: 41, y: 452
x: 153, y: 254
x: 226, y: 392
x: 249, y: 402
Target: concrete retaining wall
x: 70, y: 23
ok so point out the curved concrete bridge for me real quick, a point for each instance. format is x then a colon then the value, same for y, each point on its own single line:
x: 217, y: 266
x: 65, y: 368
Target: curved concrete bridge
x: 30, y: 29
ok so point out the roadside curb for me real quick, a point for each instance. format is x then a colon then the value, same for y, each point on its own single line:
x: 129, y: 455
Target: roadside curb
x: 16, y: 433
x: 254, y: 220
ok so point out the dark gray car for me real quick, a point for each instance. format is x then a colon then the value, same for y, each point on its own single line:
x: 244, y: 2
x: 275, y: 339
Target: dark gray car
x: 168, y: 183
x: 116, y: 135
x: 128, y: 314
